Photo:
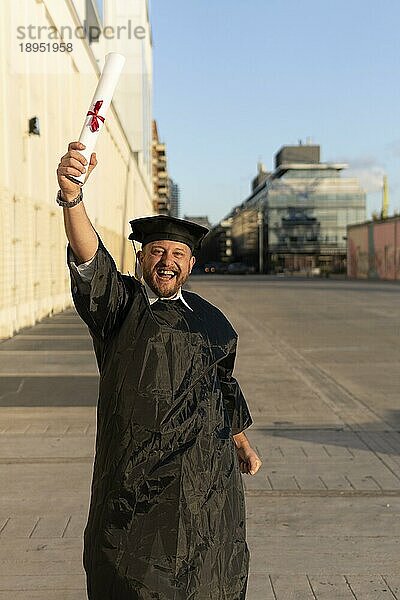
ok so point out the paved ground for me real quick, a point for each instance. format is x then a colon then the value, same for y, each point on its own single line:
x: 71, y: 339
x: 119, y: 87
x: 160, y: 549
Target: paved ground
x: 319, y: 362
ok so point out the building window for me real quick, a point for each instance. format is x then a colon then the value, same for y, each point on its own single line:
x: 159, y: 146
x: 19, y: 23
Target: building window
x: 94, y: 19
x: 100, y: 9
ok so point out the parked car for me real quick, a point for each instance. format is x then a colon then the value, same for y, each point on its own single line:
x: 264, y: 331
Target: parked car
x: 238, y: 268
x: 198, y: 270
x: 215, y: 267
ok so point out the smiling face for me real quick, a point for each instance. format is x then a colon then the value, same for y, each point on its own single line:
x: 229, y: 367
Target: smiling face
x: 166, y: 265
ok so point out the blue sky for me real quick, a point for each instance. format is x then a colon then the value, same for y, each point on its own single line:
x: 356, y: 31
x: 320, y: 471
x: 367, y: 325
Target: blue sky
x: 235, y: 80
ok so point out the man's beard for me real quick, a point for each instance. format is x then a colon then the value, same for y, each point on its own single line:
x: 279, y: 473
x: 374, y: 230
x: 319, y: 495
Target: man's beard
x: 167, y: 288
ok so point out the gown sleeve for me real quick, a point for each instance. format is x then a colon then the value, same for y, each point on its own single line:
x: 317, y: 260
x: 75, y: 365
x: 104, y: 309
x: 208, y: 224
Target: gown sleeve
x: 234, y: 400
x: 102, y: 300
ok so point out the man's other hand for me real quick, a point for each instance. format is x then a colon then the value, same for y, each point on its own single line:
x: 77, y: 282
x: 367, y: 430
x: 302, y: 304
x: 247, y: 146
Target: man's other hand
x: 249, y: 461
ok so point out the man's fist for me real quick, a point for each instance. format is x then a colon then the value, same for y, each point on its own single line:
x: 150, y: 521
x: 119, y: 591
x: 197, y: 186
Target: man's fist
x: 73, y: 163
x: 249, y: 461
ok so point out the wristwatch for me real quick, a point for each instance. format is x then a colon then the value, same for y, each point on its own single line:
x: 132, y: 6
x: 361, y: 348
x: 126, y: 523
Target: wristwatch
x: 73, y: 202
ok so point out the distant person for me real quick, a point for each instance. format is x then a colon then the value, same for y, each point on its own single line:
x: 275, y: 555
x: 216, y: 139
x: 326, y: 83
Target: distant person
x: 167, y: 512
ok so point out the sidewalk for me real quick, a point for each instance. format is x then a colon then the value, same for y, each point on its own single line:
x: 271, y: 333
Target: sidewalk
x: 46, y: 455
x: 323, y: 514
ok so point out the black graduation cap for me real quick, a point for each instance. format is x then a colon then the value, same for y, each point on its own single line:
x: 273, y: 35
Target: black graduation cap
x: 163, y: 227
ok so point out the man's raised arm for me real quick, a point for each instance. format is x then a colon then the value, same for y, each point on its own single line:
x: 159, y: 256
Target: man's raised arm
x: 78, y: 228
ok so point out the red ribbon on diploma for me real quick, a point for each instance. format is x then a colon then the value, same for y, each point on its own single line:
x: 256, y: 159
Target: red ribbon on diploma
x: 94, y: 121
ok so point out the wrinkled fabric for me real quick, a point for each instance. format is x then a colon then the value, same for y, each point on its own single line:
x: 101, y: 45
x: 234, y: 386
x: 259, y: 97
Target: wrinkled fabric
x: 167, y: 513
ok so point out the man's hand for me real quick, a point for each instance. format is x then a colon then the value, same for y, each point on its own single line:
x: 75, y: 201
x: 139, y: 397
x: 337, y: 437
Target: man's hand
x: 249, y: 461
x: 80, y: 232
x: 73, y: 163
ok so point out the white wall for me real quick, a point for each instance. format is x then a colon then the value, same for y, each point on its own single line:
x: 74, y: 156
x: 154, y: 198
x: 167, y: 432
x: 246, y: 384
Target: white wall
x: 57, y: 88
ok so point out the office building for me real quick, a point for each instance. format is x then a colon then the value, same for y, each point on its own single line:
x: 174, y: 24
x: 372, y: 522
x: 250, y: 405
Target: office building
x: 161, y: 193
x: 296, y: 217
x: 174, y: 199
x: 217, y: 245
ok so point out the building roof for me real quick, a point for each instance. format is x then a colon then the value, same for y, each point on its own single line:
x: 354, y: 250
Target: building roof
x: 284, y: 167
x: 377, y: 221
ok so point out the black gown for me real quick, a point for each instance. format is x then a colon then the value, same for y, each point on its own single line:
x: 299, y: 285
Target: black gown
x: 167, y: 512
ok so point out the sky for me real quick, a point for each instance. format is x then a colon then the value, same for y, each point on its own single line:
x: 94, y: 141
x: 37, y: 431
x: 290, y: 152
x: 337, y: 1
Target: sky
x: 234, y: 80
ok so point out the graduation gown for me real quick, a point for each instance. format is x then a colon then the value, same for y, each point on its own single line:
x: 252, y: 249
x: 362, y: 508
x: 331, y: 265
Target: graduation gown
x: 167, y: 513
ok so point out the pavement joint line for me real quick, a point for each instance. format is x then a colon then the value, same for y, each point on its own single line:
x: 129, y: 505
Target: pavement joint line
x: 324, y: 493
x: 296, y: 482
x: 48, y: 460
x: 39, y: 435
x: 78, y: 324
x: 64, y: 589
x: 5, y: 525
x: 311, y: 587
x: 13, y: 433
x: 272, y: 587
x: 349, y: 586
x: 66, y: 526
x: 52, y: 337
x: 47, y: 352
x: 34, y: 527
x: 44, y: 374
x: 376, y: 482
x: 349, y: 482
x: 323, y: 482
x: 388, y: 586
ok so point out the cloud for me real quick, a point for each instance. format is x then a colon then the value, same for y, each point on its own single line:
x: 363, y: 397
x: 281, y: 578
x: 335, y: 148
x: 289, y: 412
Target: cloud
x: 371, y: 178
x: 369, y: 172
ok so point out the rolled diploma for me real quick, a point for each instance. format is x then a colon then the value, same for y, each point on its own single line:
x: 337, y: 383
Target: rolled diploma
x: 93, y: 124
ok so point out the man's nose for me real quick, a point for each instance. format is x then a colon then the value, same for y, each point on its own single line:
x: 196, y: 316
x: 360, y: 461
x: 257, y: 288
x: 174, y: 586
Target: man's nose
x: 168, y: 259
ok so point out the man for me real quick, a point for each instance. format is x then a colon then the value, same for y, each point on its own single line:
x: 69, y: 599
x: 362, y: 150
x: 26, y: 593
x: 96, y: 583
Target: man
x: 167, y: 515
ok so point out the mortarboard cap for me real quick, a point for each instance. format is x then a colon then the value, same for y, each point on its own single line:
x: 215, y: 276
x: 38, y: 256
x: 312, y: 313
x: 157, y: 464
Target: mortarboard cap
x: 163, y: 227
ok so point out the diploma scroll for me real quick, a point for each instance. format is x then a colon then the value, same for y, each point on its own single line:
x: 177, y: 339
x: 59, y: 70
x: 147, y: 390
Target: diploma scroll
x: 96, y: 114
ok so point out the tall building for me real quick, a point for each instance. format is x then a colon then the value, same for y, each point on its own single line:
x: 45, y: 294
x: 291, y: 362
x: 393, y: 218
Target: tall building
x: 202, y: 220
x: 133, y: 96
x: 217, y: 245
x: 45, y: 96
x: 296, y: 216
x: 174, y: 199
x: 161, y: 194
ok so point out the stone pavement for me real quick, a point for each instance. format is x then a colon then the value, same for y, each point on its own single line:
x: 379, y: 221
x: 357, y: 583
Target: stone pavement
x: 319, y: 363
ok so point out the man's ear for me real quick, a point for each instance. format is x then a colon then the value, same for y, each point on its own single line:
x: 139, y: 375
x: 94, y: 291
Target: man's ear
x: 138, y: 265
x: 192, y: 261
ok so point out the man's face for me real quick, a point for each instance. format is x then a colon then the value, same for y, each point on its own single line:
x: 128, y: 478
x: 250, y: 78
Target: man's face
x: 166, y: 265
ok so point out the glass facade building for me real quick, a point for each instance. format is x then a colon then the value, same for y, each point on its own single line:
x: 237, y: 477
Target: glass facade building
x: 297, y: 218
x: 174, y: 199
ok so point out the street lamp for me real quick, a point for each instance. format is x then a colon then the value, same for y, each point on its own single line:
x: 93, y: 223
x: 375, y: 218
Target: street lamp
x: 260, y: 222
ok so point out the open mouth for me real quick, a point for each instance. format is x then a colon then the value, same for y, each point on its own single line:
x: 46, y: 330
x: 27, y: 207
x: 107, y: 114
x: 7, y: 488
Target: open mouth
x: 166, y: 274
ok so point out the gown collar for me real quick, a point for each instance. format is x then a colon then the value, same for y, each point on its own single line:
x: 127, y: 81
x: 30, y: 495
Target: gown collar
x: 153, y: 297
